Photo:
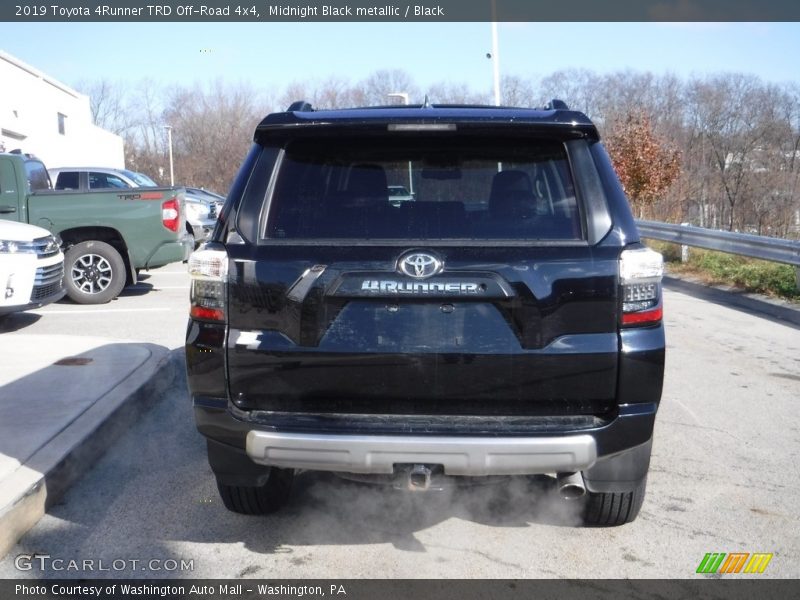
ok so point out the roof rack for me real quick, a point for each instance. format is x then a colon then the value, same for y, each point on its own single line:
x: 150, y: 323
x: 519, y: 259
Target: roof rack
x: 556, y: 104
x: 21, y: 153
x: 300, y: 106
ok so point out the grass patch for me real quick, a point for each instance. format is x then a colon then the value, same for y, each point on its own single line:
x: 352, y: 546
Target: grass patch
x: 772, y: 279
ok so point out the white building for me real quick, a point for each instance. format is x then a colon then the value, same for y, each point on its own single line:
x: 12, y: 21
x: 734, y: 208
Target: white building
x: 42, y: 116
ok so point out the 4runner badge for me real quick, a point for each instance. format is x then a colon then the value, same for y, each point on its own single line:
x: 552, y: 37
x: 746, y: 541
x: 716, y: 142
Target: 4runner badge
x: 419, y: 265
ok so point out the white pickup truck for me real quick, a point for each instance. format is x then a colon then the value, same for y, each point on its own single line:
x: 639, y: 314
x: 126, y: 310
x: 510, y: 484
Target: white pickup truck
x: 31, y: 267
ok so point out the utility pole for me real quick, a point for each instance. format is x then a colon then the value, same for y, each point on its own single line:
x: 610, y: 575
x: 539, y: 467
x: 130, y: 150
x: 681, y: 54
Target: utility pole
x: 495, y: 56
x: 169, y: 143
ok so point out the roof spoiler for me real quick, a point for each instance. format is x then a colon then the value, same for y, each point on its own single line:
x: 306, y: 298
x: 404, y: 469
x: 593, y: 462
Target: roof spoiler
x: 303, y: 106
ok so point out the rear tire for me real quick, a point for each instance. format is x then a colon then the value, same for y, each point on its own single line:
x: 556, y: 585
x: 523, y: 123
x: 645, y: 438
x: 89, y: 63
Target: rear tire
x: 259, y: 500
x: 94, y: 272
x: 613, y: 508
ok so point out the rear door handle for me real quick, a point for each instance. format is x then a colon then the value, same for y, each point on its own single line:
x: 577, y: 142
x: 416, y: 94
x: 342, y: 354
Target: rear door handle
x: 8, y: 209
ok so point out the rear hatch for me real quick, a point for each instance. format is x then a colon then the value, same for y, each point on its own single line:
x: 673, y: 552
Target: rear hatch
x: 481, y: 294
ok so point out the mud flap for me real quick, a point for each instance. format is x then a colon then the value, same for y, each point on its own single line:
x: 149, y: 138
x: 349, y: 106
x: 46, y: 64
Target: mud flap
x: 233, y: 467
x: 621, y: 472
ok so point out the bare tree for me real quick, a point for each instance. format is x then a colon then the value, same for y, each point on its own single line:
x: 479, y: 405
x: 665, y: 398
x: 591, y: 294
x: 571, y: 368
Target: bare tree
x: 579, y: 88
x: 212, y: 131
x: 377, y: 87
x: 738, y: 137
x: 456, y: 93
x: 145, y: 143
x: 516, y: 91
x: 110, y: 105
x: 730, y: 109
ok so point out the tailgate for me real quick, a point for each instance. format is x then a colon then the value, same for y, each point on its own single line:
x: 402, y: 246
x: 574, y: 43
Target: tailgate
x: 517, y: 330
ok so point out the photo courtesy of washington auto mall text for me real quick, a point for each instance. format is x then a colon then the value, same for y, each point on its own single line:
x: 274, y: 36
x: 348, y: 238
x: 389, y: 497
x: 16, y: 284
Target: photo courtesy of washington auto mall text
x: 200, y: 590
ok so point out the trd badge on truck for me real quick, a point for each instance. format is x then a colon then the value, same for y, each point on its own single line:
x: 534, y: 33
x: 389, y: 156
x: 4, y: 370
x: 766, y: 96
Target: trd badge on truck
x: 503, y: 319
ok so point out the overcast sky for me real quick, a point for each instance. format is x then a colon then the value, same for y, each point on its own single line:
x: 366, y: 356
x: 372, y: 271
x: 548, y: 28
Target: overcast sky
x: 272, y: 55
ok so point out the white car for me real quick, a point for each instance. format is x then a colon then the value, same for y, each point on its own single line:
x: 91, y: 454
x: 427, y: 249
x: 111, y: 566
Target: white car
x: 399, y: 194
x: 31, y: 267
x: 201, y: 217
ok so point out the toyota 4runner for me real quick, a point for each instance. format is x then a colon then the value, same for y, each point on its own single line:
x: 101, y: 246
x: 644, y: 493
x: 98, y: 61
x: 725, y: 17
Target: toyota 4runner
x: 508, y: 321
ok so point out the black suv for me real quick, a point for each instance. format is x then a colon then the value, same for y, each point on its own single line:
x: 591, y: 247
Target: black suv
x: 507, y: 321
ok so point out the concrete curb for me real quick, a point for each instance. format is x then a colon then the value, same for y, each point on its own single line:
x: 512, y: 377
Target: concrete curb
x: 778, y: 310
x: 47, y: 475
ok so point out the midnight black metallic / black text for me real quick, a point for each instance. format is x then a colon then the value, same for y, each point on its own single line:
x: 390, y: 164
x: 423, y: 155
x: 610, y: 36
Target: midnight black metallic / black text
x: 344, y: 10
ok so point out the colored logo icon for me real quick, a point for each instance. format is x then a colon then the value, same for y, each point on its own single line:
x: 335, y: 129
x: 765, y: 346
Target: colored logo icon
x: 734, y: 562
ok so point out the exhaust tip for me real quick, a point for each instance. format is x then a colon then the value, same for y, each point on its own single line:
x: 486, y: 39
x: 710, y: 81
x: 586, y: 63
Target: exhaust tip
x: 572, y: 492
x: 570, y: 485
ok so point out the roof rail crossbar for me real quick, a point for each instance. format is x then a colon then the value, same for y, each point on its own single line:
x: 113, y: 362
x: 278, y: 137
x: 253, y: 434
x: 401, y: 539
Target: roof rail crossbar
x: 556, y: 104
x: 300, y: 106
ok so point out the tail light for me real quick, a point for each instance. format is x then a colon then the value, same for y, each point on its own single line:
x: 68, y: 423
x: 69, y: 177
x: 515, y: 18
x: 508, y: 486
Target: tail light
x: 171, y: 214
x: 208, y: 269
x: 640, y: 272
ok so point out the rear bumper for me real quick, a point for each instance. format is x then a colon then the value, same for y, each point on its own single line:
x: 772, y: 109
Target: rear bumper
x: 458, y: 456
x: 513, y: 452
x: 170, y: 252
x: 608, y: 449
x: 202, y: 230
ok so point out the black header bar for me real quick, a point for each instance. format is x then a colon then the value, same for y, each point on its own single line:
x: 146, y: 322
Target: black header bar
x: 396, y: 589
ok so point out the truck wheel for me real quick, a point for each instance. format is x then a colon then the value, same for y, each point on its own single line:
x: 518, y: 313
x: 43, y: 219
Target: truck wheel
x: 259, y: 500
x: 94, y: 273
x: 613, y: 508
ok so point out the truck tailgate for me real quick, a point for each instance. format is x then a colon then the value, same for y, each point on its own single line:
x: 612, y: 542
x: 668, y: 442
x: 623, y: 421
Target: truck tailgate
x: 523, y: 330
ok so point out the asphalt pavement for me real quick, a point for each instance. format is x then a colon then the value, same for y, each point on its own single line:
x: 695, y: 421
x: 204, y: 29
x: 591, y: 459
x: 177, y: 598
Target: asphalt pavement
x: 64, y: 397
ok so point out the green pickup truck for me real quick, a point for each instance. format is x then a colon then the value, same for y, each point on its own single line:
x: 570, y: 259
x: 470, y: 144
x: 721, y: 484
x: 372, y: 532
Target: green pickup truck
x: 107, y: 236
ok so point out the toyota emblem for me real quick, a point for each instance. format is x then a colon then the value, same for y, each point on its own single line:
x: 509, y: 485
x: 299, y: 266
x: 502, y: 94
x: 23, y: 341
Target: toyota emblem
x: 419, y: 265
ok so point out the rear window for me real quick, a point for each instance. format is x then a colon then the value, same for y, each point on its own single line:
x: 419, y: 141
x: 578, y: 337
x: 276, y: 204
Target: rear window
x: 466, y: 187
x: 68, y: 180
x: 98, y: 181
x: 37, y: 176
x: 140, y: 179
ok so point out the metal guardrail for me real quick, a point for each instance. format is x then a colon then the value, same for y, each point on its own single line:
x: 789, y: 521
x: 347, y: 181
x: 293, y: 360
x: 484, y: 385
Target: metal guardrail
x: 745, y: 244
x: 754, y: 246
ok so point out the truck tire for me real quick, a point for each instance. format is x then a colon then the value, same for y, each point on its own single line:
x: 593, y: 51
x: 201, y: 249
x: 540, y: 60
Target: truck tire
x: 94, y: 272
x: 613, y: 508
x: 259, y: 500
